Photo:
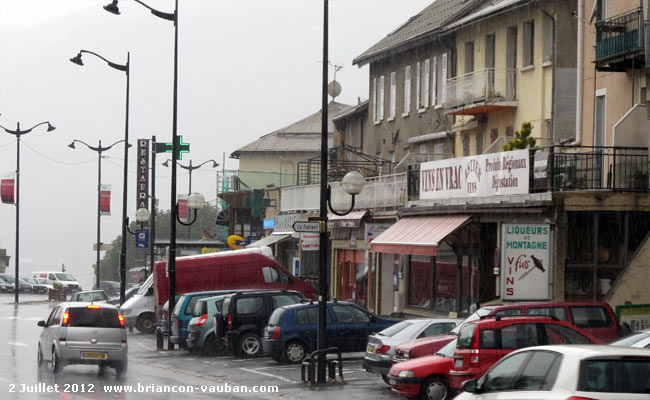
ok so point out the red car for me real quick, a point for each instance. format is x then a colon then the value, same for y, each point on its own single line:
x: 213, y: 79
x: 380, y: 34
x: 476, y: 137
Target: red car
x: 480, y: 344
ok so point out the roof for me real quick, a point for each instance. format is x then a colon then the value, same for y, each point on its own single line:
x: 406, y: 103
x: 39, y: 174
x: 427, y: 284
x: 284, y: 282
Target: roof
x: 484, y: 10
x: 425, y: 22
x: 301, y: 136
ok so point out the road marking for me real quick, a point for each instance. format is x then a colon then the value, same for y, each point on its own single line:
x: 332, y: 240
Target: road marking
x: 146, y: 347
x: 11, y: 317
x: 33, y: 319
x: 4, y: 380
x: 270, y: 375
x: 16, y: 344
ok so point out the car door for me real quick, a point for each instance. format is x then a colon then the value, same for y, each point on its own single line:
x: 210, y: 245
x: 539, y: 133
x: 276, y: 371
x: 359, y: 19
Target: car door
x: 353, y: 325
x: 48, y: 333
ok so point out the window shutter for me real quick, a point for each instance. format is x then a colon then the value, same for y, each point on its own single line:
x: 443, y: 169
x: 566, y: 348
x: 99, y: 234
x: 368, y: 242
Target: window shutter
x: 374, y: 99
x: 427, y: 71
x: 443, y: 80
x: 407, y: 89
x: 393, y: 93
x: 418, y: 99
x: 381, y: 97
x: 434, y: 91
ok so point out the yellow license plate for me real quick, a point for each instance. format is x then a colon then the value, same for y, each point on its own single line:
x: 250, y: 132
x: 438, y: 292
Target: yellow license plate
x: 93, y: 356
x: 371, y: 348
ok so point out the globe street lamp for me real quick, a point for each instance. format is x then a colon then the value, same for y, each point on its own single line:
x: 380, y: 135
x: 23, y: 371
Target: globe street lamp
x: 124, y: 68
x: 18, y: 133
x: 171, y: 262
x: 99, y: 149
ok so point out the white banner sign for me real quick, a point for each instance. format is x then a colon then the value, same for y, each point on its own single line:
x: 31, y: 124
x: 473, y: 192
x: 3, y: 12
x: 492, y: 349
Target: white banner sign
x: 526, y: 262
x: 482, y: 175
x: 310, y: 241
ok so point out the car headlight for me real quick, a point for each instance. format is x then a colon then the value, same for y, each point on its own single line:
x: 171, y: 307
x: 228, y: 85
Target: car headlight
x: 125, y: 311
x: 405, y: 353
x: 406, y: 374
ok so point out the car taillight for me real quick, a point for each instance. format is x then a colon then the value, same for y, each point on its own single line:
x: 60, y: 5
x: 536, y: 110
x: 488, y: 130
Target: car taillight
x: 123, y: 340
x: 61, y: 339
x: 202, y: 320
x: 179, y: 323
x: 121, y: 319
x: 66, y: 319
x: 382, y: 349
x: 276, y: 333
x: 473, y: 358
x: 229, y: 322
x: 95, y: 306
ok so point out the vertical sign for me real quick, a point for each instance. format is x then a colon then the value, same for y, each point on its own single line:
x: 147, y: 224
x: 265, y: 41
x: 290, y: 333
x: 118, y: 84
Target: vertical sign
x: 182, y: 208
x: 7, y: 191
x: 526, y: 262
x: 142, y: 180
x: 105, y: 200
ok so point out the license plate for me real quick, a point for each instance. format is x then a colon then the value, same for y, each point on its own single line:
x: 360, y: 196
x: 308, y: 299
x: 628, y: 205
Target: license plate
x: 458, y: 362
x: 93, y: 356
x: 371, y: 348
x: 392, y: 381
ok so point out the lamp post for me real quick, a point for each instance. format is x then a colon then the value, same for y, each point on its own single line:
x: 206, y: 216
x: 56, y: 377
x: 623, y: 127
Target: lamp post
x: 124, y: 68
x: 192, y: 168
x: 99, y: 149
x: 18, y: 133
x: 171, y: 263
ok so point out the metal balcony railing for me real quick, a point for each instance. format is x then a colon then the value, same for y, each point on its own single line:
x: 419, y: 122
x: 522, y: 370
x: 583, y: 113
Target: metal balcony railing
x: 488, y: 85
x: 619, y: 36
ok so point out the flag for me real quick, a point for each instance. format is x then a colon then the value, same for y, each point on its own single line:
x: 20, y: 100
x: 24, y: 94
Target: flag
x: 7, y: 191
x: 182, y: 207
x: 105, y: 200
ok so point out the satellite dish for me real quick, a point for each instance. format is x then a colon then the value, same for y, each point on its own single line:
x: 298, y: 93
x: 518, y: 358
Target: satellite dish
x: 334, y: 89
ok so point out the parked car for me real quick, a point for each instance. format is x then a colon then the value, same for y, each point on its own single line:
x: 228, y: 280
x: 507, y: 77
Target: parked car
x: 245, y: 314
x: 291, y: 333
x: 6, y: 287
x: 46, y: 282
x: 182, y: 314
x: 90, y: 296
x: 565, y: 372
x: 37, y: 287
x: 127, y: 295
x: 68, y: 281
x: 381, y: 346
x: 23, y: 286
x: 480, y: 344
x: 82, y: 333
x: 111, y: 288
x: 200, y: 329
x: 639, y: 339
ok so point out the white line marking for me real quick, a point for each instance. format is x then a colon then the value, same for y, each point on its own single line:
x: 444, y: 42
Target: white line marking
x: 33, y: 319
x: 270, y: 375
x: 11, y: 317
x: 146, y: 347
x: 4, y: 380
x: 16, y: 344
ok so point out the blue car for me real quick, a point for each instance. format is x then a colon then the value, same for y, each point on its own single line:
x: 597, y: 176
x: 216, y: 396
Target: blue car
x: 182, y: 313
x: 291, y: 333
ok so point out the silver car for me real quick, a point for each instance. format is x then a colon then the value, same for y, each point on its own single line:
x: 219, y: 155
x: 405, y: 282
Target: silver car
x: 84, y: 333
x: 381, y: 346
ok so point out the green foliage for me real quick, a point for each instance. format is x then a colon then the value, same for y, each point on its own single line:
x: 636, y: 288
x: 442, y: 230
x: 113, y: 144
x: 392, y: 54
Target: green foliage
x: 57, y: 285
x: 522, y: 139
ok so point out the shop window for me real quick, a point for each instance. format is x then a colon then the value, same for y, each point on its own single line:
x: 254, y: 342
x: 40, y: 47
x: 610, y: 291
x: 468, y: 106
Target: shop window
x: 420, y: 281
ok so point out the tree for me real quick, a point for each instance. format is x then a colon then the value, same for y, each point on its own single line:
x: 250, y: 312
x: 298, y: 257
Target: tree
x: 522, y: 139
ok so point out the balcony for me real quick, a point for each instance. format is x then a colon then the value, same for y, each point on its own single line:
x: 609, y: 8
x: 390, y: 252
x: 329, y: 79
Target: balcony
x: 620, y: 42
x: 481, y: 92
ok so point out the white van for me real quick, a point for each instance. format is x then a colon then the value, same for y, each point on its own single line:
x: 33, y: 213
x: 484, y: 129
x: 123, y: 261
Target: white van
x: 138, y: 311
x: 68, y: 281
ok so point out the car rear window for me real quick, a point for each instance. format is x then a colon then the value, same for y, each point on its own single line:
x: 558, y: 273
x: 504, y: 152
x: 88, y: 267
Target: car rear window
x: 274, y: 320
x: 615, y: 375
x: 200, y: 308
x: 249, y: 305
x: 466, y: 336
x: 285, y: 300
x: 178, y: 305
x: 557, y: 312
x: 589, y: 317
x: 192, y: 303
x: 93, y: 317
x: 398, y: 327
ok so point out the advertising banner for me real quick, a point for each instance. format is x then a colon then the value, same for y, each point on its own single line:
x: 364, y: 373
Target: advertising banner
x: 526, y: 262
x: 182, y: 207
x: 105, y: 200
x: 636, y: 315
x: 7, y: 191
x: 540, y: 172
x: 310, y: 241
x: 476, y: 176
x: 142, y: 175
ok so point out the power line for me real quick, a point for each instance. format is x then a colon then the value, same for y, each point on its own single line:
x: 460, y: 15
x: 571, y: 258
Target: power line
x: 54, y: 160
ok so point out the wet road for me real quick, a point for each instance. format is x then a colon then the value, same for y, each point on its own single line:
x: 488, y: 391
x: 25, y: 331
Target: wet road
x: 151, y: 371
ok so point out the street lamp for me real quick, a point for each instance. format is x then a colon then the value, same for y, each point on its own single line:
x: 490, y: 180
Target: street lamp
x: 99, y: 149
x: 192, y: 168
x: 171, y: 262
x: 18, y: 133
x: 124, y: 68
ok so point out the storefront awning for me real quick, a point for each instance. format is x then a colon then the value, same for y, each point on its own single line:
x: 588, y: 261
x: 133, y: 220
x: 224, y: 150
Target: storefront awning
x: 269, y: 240
x: 417, y: 235
x: 351, y: 220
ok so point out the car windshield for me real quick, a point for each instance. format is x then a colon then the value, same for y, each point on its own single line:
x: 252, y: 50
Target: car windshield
x: 398, y: 327
x: 631, y: 340
x: 65, y: 277
x: 448, y: 350
x: 93, y: 317
x: 91, y: 296
x: 45, y: 281
x: 30, y: 280
x: 200, y: 308
x: 145, y: 286
x: 482, y: 312
x: 178, y: 305
x: 9, y: 278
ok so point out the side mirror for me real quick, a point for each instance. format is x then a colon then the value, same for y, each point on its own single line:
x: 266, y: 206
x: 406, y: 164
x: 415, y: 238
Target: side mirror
x: 373, y: 319
x: 41, y: 323
x: 471, y: 386
x: 291, y: 280
x: 150, y: 291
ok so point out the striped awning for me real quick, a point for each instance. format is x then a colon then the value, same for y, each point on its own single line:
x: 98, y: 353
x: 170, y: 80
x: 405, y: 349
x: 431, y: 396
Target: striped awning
x: 417, y: 235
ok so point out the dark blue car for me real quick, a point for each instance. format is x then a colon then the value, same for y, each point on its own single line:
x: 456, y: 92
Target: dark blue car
x: 291, y: 332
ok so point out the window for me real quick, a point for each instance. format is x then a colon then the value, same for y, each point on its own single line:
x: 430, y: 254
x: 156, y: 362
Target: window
x: 50, y: 319
x: 93, y: 317
x: 547, y: 50
x: 510, y: 311
x: 558, y: 334
x: 249, y: 305
x: 529, y: 43
x: 518, y: 336
x: 488, y: 339
x: 438, y: 329
x: 615, y: 375
x: 479, y: 142
x: 423, y: 69
x: 540, y: 371
x: 309, y: 316
x: 407, y: 89
x: 589, y: 317
x: 469, y: 57
x: 270, y: 275
x: 557, y: 312
x: 443, y: 79
x: 350, y: 315
x: 398, y: 327
x: 284, y: 300
x: 380, y: 111
x: 503, y: 374
x: 434, y: 82
x: 599, y: 121
x: 466, y: 336
x: 192, y: 303
x: 392, y: 96
x: 465, y: 144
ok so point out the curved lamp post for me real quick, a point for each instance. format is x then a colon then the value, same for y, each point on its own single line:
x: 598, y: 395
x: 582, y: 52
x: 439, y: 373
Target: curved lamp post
x: 192, y: 168
x: 99, y: 149
x: 113, y: 8
x: 18, y: 133
x: 124, y: 68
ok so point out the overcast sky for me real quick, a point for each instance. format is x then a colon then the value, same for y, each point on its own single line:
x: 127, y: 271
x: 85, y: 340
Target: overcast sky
x: 246, y: 68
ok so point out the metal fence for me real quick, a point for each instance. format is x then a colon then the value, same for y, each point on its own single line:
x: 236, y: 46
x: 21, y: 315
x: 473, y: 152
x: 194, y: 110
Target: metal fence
x: 486, y: 85
x: 619, y: 35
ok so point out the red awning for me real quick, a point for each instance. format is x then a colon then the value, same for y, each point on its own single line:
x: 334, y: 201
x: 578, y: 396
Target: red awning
x: 418, y: 235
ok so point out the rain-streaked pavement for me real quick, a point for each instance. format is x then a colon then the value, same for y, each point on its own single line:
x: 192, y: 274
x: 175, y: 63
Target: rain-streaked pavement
x: 151, y: 371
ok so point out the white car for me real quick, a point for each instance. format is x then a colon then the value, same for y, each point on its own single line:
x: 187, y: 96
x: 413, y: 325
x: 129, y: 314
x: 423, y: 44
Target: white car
x: 561, y: 372
x: 639, y: 339
x: 381, y: 346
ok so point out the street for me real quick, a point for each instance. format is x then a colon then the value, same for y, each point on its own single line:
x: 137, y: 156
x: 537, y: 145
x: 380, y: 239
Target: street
x: 152, y: 372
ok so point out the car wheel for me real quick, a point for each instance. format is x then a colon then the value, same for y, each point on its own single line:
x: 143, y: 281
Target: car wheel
x: 213, y: 346
x: 217, y: 321
x: 435, y: 388
x: 250, y: 344
x: 121, y: 367
x: 145, y: 323
x: 39, y: 356
x: 56, y: 363
x: 295, y: 351
x: 385, y: 378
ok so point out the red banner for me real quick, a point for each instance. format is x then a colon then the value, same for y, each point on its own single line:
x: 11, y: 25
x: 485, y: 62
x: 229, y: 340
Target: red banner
x: 105, y: 200
x: 182, y: 207
x: 7, y: 191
